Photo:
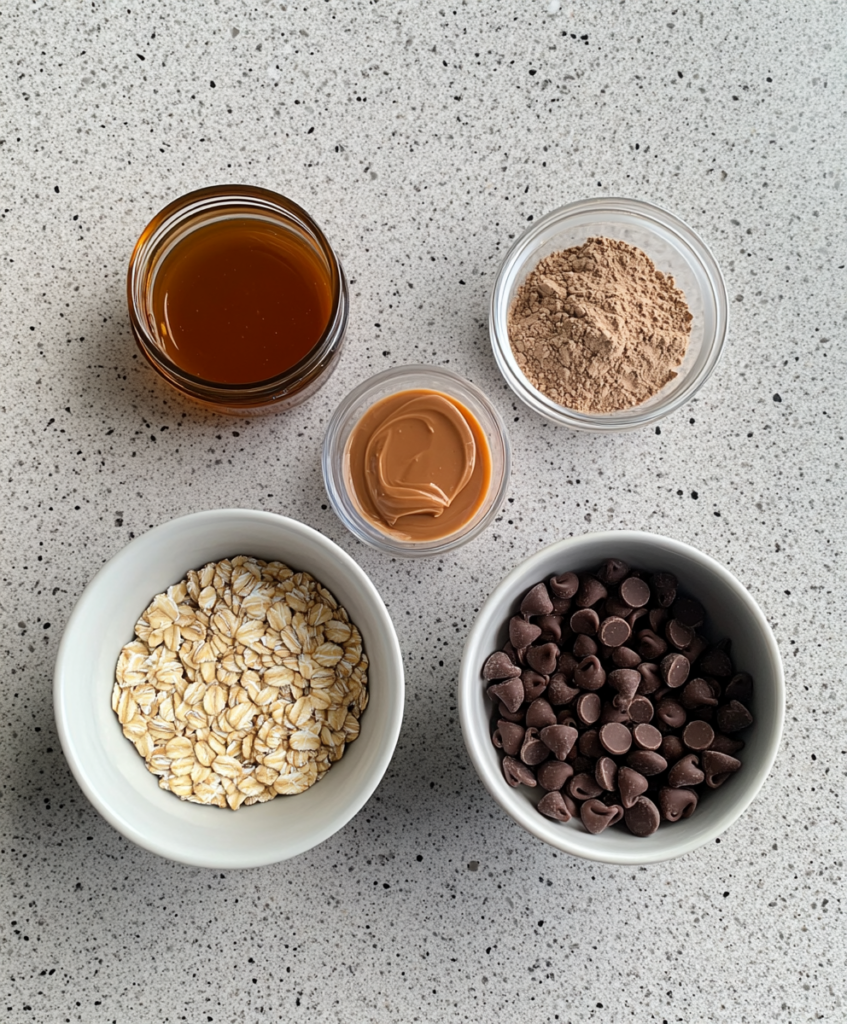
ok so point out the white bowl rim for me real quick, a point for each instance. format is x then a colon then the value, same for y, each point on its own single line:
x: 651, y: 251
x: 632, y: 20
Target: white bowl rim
x: 171, y: 851
x: 469, y: 676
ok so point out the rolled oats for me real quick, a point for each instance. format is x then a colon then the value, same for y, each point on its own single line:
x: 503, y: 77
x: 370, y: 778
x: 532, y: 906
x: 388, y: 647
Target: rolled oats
x: 246, y: 680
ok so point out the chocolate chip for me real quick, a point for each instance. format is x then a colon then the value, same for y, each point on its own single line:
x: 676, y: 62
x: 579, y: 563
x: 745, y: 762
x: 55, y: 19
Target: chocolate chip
x: 740, y: 688
x: 677, y: 803
x: 716, y: 663
x: 672, y: 748
x: 561, y: 605
x: 565, y: 585
x: 510, y: 652
x: 522, y: 633
x: 591, y: 590
x: 554, y: 774
x: 589, y: 674
x: 635, y: 615
x: 686, y: 772
x: 534, y: 684
x: 688, y: 611
x: 566, y: 665
x: 626, y: 657
x: 641, y: 710
x: 657, y: 617
x: 551, y: 628
x: 590, y: 746
x: 726, y: 745
x: 612, y: 571
x: 698, y: 693
x: 597, y: 816
x: 646, y: 737
x: 718, y: 767
x: 648, y: 762
x: 698, y: 735
x: 625, y: 682
x: 678, y: 634
x: 733, y: 717
x: 671, y: 713
x: 613, y: 631
x: 612, y: 714
x: 642, y: 819
x: 543, y: 659
x: 586, y: 620
x: 517, y: 774
x: 559, y: 740
x: 675, y: 669
x: 536, y: 602
x: 499, y: 666
x: 584, y: 647
x: 509, y: 736
x: 631, y: 784
x: 651, y: 678
x: 509, y: 692
x: 540, y: 713
x: 510, y: 716
x: 559, y: 692
x: 634, y: 592
x: 696, y: 648
x: 616, y: 738
x: 606, y: 774
x: 533, y: 751
x: 650, y: 646
x: 553, y: 805
x: 566, y: 717
x: 664, y: 582
x: 583, y: 787
x: 614, y: 606
x: 587, y: 707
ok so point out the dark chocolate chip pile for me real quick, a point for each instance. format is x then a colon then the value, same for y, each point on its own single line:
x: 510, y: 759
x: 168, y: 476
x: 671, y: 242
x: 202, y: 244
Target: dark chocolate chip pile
x: 610, y: 700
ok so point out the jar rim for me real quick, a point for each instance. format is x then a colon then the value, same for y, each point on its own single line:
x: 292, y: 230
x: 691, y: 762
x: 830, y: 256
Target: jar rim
x: 214, y: 199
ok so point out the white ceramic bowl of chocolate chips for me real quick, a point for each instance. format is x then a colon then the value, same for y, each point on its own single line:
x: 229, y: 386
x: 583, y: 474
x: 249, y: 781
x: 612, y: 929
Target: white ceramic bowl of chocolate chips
x: 622, y: 697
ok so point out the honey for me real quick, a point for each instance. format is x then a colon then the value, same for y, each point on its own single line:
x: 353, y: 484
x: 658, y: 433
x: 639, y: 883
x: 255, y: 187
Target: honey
x: 237, y: 299
x: 240, y: 300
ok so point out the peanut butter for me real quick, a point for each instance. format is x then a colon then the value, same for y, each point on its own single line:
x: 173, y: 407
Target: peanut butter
x: 418, y: 465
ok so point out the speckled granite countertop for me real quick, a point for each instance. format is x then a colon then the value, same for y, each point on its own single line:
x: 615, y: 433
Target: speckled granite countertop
x: 423, y: 140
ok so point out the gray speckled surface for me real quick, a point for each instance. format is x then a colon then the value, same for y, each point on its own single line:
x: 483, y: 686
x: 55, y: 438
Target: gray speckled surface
x: 423, y: 140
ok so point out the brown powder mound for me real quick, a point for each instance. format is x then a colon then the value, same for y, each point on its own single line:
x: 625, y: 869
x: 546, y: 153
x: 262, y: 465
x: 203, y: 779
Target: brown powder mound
x: 598, y: 328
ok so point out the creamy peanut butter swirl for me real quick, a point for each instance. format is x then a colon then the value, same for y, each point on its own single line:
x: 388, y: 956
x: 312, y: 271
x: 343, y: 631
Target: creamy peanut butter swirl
x: 418, y: 465
x: 411, y: 450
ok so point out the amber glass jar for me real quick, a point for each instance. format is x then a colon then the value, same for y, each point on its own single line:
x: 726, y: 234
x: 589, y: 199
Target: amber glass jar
x: 213, y: 211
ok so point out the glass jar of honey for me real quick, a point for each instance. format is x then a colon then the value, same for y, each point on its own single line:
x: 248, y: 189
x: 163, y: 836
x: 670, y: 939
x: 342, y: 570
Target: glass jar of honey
x: 237, y: 299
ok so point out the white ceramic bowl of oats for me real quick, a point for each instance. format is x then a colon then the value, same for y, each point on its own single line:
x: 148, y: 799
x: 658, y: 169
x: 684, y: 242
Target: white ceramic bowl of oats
x: 112, y: 773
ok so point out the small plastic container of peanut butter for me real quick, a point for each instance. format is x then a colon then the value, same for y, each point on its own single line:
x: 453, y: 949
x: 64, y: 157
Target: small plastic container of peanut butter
x: 416, y: 461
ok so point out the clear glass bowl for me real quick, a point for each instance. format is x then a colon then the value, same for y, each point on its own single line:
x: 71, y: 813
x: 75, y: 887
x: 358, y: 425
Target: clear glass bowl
x: 351, y: 410
x: 198, y: 209
x: 672, y: 246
